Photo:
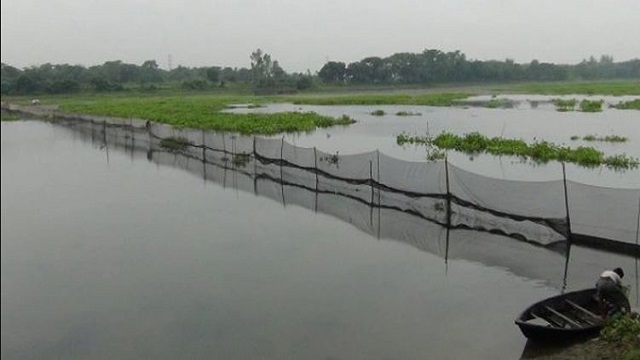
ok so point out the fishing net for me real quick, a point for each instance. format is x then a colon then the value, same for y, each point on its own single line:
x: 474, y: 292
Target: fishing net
x: 386, y: 197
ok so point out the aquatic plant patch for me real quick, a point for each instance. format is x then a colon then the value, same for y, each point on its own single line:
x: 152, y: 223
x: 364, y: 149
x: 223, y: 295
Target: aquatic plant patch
x: 203, y: 112
x: 608, y: 138
x: 616, y: 88
x: 542, y: 151
x: 627, y: 105
x: 438, y: 99
x: 408, y: 113
x: 591, y: 105
x: 565, y: 105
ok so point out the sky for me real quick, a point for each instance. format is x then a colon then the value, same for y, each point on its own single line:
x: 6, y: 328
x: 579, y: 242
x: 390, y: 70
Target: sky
x: 304, y: 34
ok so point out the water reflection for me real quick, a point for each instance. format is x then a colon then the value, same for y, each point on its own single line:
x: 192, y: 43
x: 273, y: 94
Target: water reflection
x: 424, y: 226
x: 106, y: 254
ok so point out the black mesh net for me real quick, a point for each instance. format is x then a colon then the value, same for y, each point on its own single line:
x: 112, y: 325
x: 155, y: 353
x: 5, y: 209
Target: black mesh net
x: 381, y: 195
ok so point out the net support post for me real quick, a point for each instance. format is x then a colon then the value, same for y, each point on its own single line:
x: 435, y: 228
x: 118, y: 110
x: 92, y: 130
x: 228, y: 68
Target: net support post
x: 566, y: 203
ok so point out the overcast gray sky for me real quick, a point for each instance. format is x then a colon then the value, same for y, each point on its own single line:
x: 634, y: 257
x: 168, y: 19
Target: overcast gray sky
x: 304, y: 34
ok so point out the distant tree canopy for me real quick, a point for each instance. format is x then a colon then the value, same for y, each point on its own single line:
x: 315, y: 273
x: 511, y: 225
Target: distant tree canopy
x: 113, y: 76
x: 267, y: 76
x: 436, y: 67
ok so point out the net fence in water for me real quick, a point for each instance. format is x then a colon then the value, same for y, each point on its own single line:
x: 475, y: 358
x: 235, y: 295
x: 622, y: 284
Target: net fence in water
x: 381, y: 195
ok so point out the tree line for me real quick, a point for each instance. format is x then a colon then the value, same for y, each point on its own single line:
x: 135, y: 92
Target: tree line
x: 438, y: 67
x: 265, y: 75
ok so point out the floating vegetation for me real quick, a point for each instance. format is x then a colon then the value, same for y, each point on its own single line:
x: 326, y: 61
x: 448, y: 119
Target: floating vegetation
x: 616, y: 88
x: 176, y: 143
x: 565, y: 105
x: 436, y: 154
x: 438, y: 99
x: 408, y: 113
x: 627, y: 105
x: 591, y: 105
x: 378, y: 112
x: 608, y: 138
x: 496, y: 103
x: 196, y: 112
x: 475, y: 143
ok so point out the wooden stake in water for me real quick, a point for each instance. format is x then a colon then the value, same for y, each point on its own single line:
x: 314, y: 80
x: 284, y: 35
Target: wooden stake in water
x: 566, y: 203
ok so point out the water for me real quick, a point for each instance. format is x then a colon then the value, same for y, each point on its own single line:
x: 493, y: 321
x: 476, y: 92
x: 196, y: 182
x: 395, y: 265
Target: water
x: 542, y: 123
x: 108, y: 254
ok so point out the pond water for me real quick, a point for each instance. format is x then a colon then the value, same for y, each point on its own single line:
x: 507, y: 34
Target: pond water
x: 538, y: 123
x: 107, y: 253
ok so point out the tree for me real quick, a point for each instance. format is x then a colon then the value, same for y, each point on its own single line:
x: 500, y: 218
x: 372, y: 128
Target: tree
x: 150, y: 72
x: 25, y: 85
x: 333, y: 72
x: 265, y: 73
x: 213, y: 74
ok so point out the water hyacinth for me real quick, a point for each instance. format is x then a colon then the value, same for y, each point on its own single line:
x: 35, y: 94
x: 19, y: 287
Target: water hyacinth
x: 541, y: 151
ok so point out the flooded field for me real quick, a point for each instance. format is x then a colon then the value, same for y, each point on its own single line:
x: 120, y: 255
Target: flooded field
x: 538, y: 123
x: 117, y: 252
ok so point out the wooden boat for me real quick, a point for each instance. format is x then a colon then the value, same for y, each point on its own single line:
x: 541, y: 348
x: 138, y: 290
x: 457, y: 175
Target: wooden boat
x: 567, y: 317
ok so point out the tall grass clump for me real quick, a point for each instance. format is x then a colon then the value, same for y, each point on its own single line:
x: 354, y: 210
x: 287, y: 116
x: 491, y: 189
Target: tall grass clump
x: 378, y: 112
x: 542, y: 151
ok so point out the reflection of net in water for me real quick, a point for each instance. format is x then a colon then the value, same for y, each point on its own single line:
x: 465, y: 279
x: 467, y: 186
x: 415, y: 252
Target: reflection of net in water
x: 377, y: 193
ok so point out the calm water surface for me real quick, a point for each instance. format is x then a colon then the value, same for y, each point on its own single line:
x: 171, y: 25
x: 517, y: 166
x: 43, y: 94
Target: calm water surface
x: 540, y: 123
x: 106, y: 254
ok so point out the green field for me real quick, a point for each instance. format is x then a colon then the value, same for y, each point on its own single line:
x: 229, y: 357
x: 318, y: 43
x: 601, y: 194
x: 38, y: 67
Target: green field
x: 204, y: 109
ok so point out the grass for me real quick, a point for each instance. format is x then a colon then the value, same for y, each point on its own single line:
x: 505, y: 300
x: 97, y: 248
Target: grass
x: 204, y: 112
x: 475, y: 143
x: 378, y: 112
x: 623, y: 331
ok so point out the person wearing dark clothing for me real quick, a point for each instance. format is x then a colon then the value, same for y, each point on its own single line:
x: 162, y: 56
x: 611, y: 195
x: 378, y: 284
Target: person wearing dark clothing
x: 611, y: 292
